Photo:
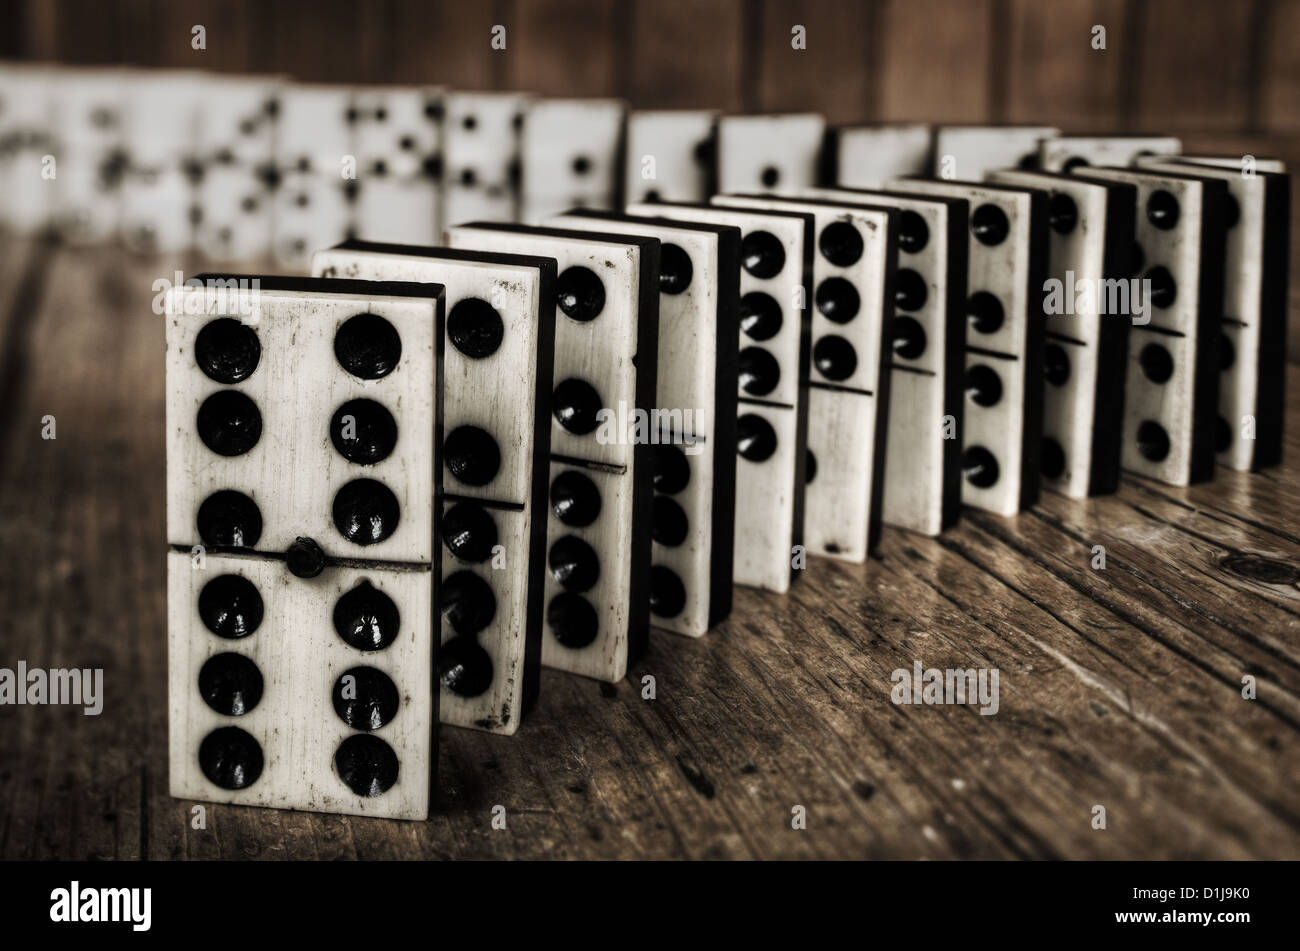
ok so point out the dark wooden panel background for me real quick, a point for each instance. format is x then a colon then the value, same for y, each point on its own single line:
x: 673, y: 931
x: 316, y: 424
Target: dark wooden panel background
x: 1225, y: 74
x: 1180, y: 65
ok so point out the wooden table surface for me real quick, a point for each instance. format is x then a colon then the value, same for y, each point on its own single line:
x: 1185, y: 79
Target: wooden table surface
x: 1119, y: 687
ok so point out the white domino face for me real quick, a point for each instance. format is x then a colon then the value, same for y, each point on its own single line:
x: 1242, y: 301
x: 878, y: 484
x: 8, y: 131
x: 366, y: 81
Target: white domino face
x: 461, y: 205
x: 481, y: 140
x: 1068, y: 152
x: 572, y: 149
x: 258, y: 669
x: 1083, y: 366
x: 869, y: 156
x: 399, y: 210
x: 161, y: 118
x: 691, y: 316
x: 291, y: 481
x: 1248, y: 318
x: 669, y: 155
x: 968, y: 152
x: 772, y: 153
x: 87, y: 197
x: 155, y: 211
x: 301, y: 479
x: 27, y: 95
x: 1165, y: 434
x: 235, y: 208
x: 89, y: 111
x: 539, y: 209
x: 592, y: 612
x: 927, y: 335
x: 315, y: 130
x: 397, y: 131
x: 239, y: 118
x: 1001, y: 425
x: 852, y: 274
x: 773, y: 384
x: 309, y: 211
x: 489, y: 412
x: 89, y: 106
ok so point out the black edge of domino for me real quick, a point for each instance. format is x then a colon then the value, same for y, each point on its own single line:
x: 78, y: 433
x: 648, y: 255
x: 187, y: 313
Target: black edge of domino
x: 1270, y: 401
x: 1209, y: 320
x: 647, y: 368
x: 547, y: 271
x: 1031, y: 457
x: 722, y: 545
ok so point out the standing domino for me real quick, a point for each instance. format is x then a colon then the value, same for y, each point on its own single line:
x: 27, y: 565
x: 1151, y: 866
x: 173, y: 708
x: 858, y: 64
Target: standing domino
x: 1007, y: 271
x: 967, y: 152
x: 1252, y: 350
x: 1068, y: 152
x: 481, y: 155
x: 926, y: 403
x: 769, y: 153
x: 1085, y: 357
x: 571, y: 155
x: 848, y: 406
x: 669, y: 155
x: 695, y: 402
x: 302, y: 476
x: 496, y: 383
x: 772, y: 448
x: 598, y: 539
x: 868, y: 156
x: 397, y: 140
x: 1172, y: 392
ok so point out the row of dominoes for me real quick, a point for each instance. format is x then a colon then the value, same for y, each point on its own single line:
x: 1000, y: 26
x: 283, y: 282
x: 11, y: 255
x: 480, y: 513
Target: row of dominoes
x: 399, y: 487
x: 246, y: 167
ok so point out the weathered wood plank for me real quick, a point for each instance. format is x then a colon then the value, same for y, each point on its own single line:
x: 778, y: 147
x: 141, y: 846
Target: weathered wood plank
x: 1280, y: 96
x: 1054, y: 75
x: 836, y: 71
x: 917, y: 36
x: 1195, y: 68
x: 563, y: 47
x: 686, y: 54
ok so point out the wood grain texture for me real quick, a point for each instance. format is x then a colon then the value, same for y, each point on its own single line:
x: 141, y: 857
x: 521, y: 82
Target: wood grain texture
x: 233, y: 41
x: 445, y: 43
x: 916, y: 36
x: 1280, y: 100
x: 1195, y: 69
x: 1118, y: 687
x: 563, y: 47
x: 328, y: 41
x: 836, y: 68
x: 686, y: 54
x: 1053, y: 75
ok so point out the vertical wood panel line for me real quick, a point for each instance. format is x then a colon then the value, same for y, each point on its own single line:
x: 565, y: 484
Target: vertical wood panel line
x: 502, y: 74
x: 999, y: 46
x: 1131, y: 75
x: 1258, y: 62
x: 874, y: 45
x: 625, y: 47
x: 751, y: 54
